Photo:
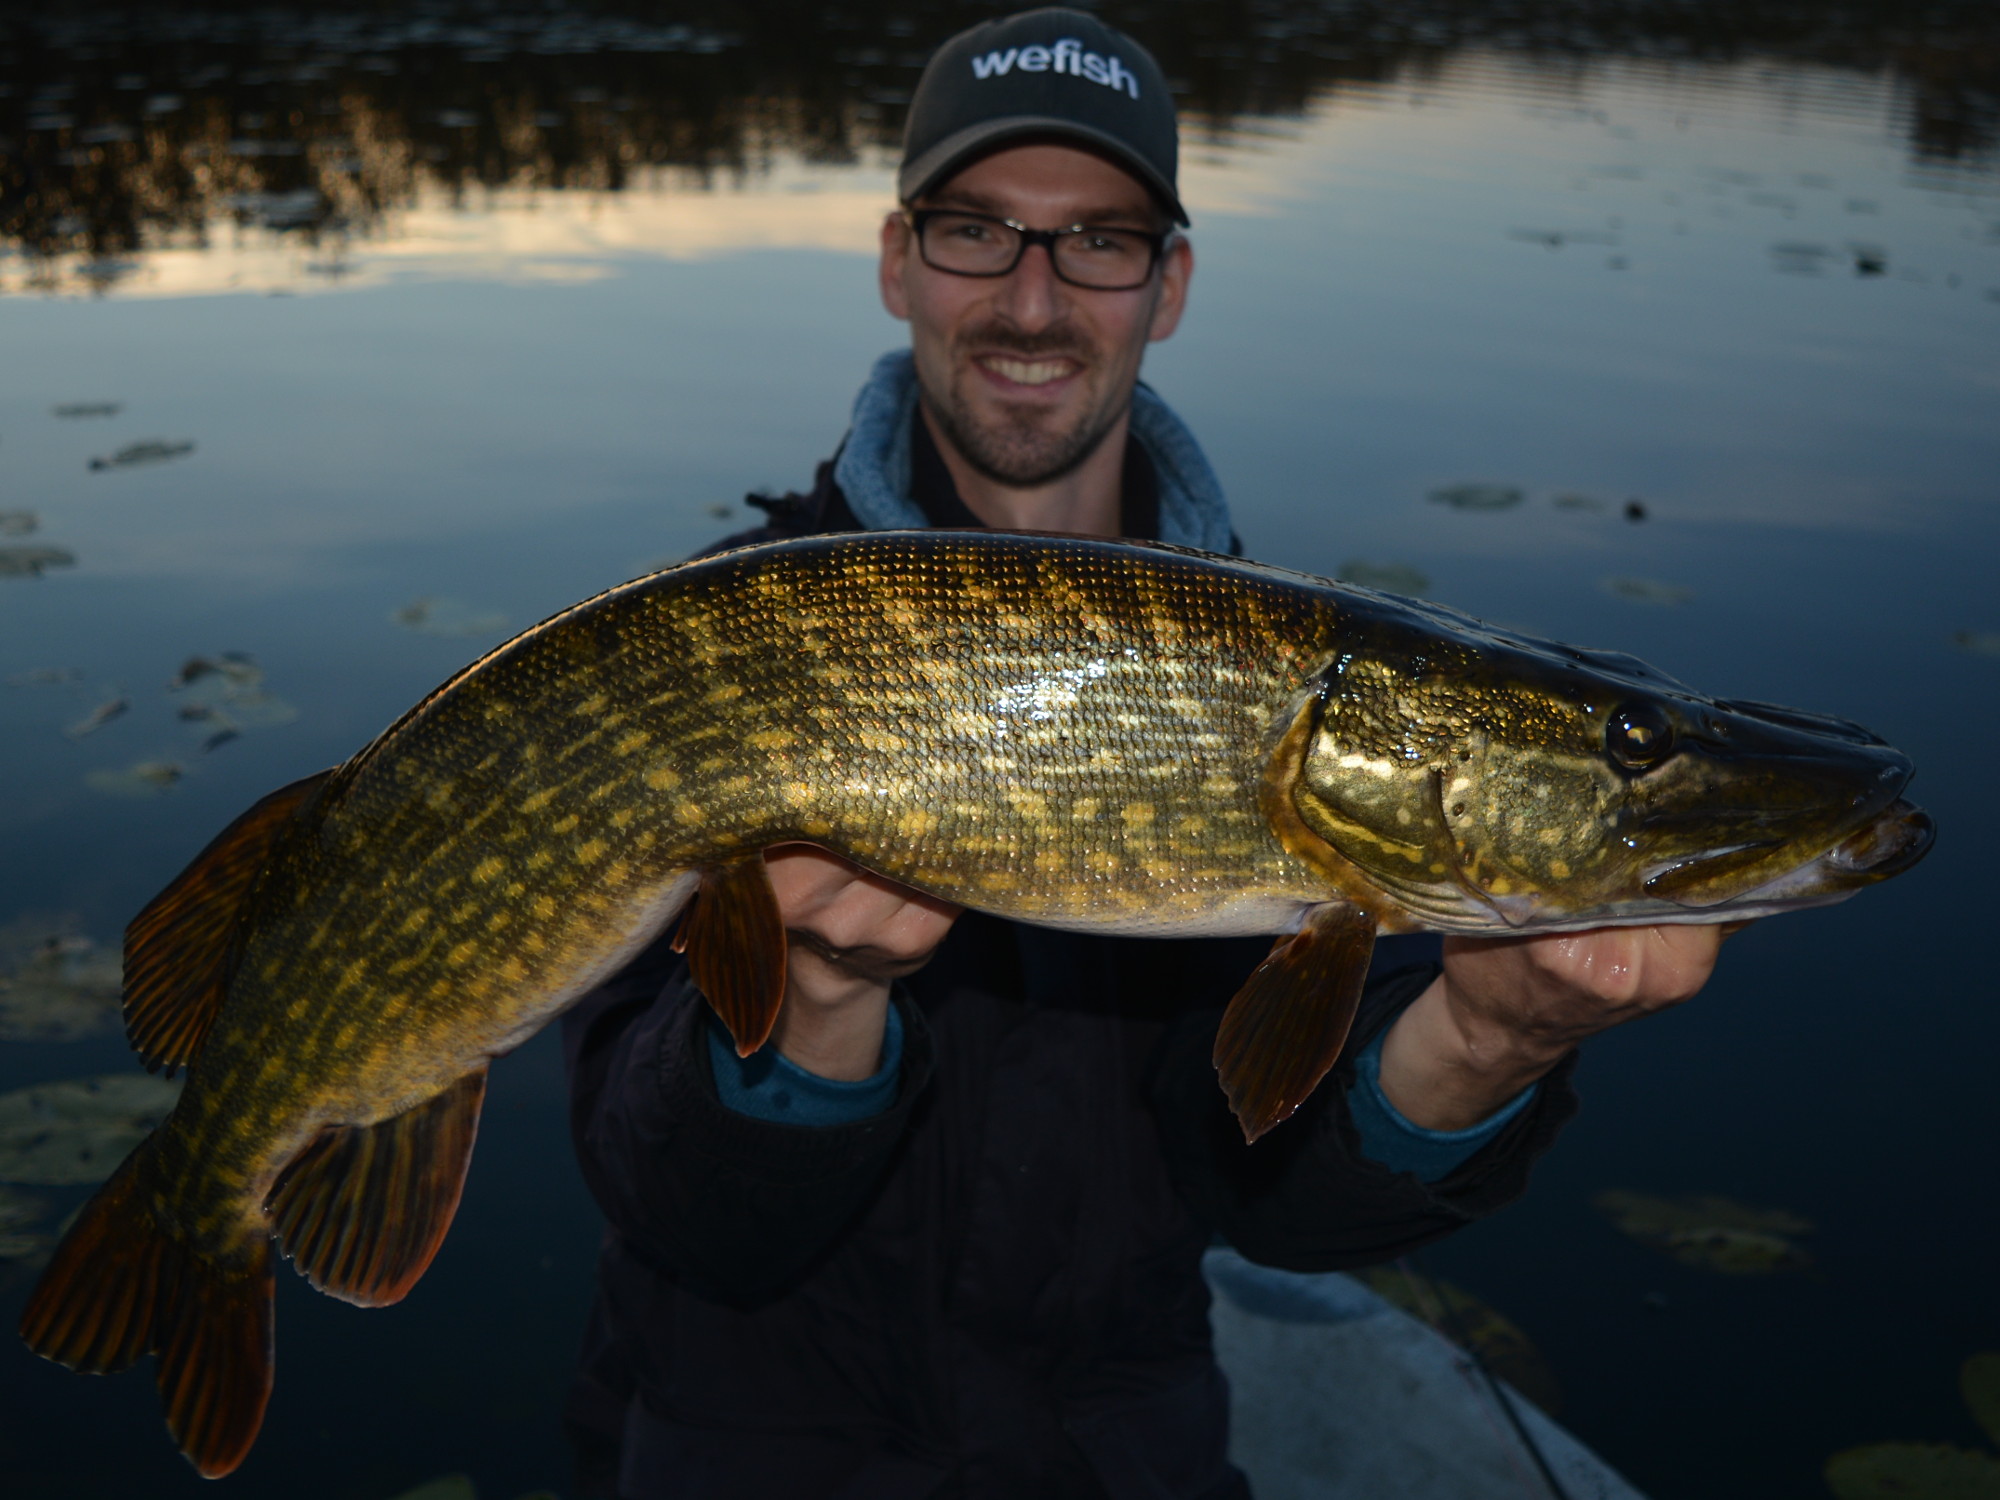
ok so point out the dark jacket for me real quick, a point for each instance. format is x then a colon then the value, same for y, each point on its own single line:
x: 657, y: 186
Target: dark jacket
x: 993, y: 1289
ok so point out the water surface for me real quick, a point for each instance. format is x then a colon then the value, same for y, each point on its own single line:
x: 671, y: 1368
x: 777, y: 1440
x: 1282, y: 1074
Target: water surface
x: 471, y: 315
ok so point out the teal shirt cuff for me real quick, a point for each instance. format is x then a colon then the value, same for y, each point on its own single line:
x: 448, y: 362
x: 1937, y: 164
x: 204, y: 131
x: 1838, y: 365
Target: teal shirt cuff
x: 769, y: 1086
x: 1391, y: 1140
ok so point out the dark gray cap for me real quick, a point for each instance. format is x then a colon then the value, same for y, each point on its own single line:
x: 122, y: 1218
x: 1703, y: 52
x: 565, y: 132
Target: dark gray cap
x: 1041, y: 73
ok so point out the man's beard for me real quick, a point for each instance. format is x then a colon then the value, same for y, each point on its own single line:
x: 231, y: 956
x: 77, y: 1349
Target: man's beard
x: 1020, y: 454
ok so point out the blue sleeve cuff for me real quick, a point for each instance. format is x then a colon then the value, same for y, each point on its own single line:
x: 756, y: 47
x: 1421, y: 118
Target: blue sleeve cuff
x: 768, y: 1086
x: 1388, y: 1138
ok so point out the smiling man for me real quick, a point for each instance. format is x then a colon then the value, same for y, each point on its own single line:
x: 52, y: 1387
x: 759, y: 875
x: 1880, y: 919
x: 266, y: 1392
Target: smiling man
x: 943, y: 1235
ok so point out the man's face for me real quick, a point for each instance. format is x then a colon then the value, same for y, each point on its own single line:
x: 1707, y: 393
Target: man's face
x: 1024, y: 372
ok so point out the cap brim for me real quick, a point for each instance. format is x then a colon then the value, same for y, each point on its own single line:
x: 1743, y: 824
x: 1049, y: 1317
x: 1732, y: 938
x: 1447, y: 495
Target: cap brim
x: 955, y: 151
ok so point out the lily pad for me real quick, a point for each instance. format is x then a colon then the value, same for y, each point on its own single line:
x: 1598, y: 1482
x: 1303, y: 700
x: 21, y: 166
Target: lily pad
x: 1979, y: 1383
x: 1913, y: 1471
x: 1494, y: 1337
x: 32, y: 562
x: 19, y: 522
x: 259, y: 710
x: 448, y: 1487
x: 1392, y: 577
x: 72, y: 409
x: 43, y: 677
x: 150, y: 451
x: 98, y: 717
x: 225, y: 696
x: 1978, y: 642
x: 230, y: 670
x: 146, y: 778
x: 1715, y: 1234
x: 55, y: 984
x: 1642, y: 1213
x: 1648, y: 590
x: 1735, y: 1252
x: 77, y: 1130
x: 451, y: 618
x: 18, y: 1238
x: 1478, y: 496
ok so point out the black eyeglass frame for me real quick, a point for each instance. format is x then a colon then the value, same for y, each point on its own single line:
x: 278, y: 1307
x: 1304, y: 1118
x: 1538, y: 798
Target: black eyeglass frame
x: 1026, y: 238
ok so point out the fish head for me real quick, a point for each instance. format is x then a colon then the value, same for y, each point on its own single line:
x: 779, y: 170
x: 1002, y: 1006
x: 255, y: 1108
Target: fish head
x: 1490, y: 782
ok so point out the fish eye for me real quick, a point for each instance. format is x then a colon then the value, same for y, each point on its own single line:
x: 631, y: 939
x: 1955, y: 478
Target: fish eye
x: 1639, y: 736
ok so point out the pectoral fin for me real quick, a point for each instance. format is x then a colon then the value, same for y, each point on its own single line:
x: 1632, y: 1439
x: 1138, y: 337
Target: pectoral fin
x: 735, y: 943
x: 1287, y: 1024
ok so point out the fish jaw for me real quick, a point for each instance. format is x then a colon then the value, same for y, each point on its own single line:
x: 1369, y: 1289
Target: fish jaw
x: 1893, y: 842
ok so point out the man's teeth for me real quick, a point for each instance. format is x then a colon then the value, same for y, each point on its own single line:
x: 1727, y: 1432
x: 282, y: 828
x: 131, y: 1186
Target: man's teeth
x: 1029, y: 372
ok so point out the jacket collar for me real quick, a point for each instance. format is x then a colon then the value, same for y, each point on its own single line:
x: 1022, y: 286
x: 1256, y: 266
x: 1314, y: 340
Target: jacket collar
x: 873, y: 468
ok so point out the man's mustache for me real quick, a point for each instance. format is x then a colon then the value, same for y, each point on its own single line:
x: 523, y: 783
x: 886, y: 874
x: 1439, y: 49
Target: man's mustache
x: 1000, y: 338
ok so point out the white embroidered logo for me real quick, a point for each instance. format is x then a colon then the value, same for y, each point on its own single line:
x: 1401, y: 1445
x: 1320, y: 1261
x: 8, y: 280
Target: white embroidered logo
x: 1066, y: 56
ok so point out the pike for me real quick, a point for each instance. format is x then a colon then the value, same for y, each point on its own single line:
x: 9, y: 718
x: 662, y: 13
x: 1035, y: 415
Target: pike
x: 1096, y: 735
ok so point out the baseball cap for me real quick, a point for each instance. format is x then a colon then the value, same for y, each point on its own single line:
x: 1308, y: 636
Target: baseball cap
x: 1050, y: 72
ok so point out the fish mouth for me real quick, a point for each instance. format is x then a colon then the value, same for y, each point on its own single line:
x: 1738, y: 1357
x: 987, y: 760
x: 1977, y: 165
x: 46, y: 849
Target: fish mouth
x: 1890, y: 843
x: 1894, y: 842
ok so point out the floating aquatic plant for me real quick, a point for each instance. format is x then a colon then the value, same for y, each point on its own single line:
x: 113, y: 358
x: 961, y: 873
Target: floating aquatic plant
x: 446, y: 1487
x: 450, y: 618
x: 224, y: 695
x: 1478, y: 496
x: 98, y: 717
x: 1392, y: 577
x: 18, y: 1215
x: 150, y: 451
x: 1930, y: 1471
x: 32, y: 562
x: 1715, y: 1234
x: 146, y: 778
x: 55, y: 984
x: 1461, y: 1317
x: 77, y: 1130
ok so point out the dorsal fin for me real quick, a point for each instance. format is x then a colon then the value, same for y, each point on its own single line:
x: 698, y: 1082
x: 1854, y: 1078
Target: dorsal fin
x: 362, y: 1210
x: 734, y: 939
x: 178, y: 952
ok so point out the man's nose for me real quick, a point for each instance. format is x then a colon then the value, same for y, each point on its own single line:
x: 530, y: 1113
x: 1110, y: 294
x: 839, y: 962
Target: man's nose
x: 1032, y: 293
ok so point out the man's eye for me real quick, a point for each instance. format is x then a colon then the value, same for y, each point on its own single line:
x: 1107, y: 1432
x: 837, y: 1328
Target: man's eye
x: 973, y: 232
x: 1097, y: 242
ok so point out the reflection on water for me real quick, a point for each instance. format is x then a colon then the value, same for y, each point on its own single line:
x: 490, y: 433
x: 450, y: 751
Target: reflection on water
x: 289, y: 139
x: 1669, y: 328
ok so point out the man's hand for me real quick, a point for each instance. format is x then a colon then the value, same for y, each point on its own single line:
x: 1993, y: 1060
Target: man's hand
x: 1507, y: 1010
x: 851, y: 932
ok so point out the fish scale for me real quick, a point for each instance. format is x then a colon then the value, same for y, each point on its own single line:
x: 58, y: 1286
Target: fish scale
x: 1074, y: 732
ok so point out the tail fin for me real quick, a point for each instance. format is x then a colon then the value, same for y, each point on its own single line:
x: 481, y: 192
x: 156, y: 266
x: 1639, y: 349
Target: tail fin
x: 121, y: 1286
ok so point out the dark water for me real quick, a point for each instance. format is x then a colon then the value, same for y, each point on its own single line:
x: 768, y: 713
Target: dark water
x: 494, y: 308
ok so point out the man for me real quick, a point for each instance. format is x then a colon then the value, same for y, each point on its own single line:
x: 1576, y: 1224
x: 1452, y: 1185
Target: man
x: 942, y: 1236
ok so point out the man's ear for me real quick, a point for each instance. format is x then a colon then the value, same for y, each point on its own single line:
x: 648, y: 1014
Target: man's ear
x: 1176, y: 270
x: 896, y: 246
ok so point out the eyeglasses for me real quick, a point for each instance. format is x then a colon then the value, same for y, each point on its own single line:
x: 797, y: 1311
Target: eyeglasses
x: 1104, y: 260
